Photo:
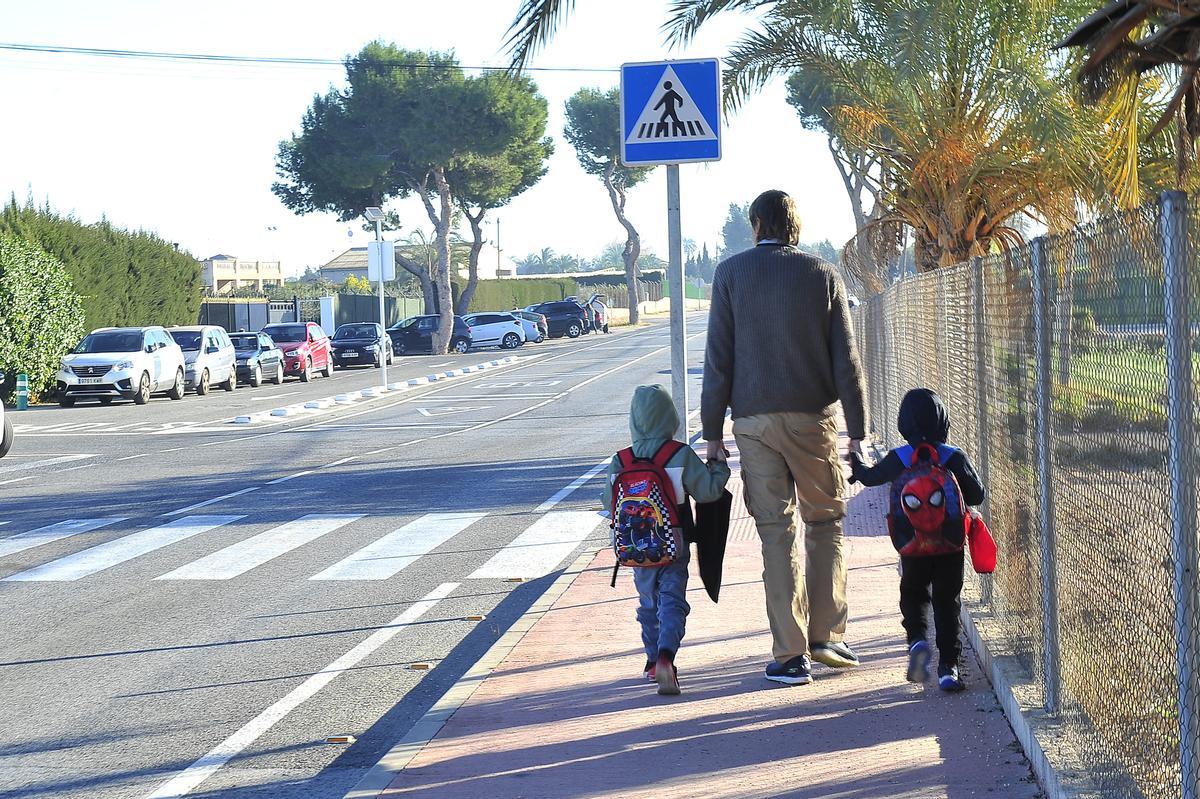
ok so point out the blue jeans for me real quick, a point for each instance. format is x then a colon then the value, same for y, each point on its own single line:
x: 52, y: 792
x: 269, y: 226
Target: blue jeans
x: 662, y: 604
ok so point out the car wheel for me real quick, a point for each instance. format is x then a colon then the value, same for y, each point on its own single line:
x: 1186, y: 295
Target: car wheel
x: 176, y: 392
x: 574, y: 330
x: 511, y: 341
x: 6, y: 444
x: 231, y: 383
x: 66, y: 402
x: 143, y: 393
x: 256, y: 377
x: 329, y: 368
x: 278, y: 379
x: 306, y: 372
x: 539, y: 339
x: 390, y: 357
x: 202, y: 384
x: 461, y: 346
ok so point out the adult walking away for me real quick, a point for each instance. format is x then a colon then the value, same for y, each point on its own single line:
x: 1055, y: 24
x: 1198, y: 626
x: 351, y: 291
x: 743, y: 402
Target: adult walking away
x: 780, y: 355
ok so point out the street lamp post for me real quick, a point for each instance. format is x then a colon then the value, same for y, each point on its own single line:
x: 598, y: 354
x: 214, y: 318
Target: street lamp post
x: 375, y: 215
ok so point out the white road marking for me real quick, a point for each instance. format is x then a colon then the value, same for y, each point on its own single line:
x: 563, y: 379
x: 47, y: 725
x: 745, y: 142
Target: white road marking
x: 274, y: 396
x: 17, y: 480
x: 4, y: 523
x: 132, y: 457
x: 20, y: 467
x: 53, y: 532
x: 245, y: 555
x: 572, y: 487
x: 119, y: 550
x: 341, y: 461
x: 451, y: 409
x: 191, y: 777
x: 208, y: 502
x: 384, y: 558
x: 279, y: 480
x: 540, y: 549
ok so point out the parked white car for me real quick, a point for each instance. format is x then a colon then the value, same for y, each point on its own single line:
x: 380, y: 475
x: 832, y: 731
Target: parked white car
x: 6, y: 431
x: 496, y: 329
x: 209, y: 356
x: 122, y: 363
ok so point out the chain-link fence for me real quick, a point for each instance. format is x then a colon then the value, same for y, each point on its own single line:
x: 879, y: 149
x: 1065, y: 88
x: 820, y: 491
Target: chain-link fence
x: 1067, y: 368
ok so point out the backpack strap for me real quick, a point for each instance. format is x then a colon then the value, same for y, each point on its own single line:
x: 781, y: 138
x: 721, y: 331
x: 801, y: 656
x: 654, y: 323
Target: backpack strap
x: 626, y: 458
x: 668, y: 450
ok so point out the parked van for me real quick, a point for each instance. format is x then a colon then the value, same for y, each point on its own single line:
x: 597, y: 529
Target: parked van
x: 209, y: 357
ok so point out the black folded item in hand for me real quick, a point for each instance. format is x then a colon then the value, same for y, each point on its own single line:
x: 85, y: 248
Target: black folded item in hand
x: 710, y: 535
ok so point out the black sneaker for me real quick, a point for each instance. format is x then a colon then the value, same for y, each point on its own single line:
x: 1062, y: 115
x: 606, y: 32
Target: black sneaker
x: 796, y: 671
x: 834, y: 654
x: 948, y: 679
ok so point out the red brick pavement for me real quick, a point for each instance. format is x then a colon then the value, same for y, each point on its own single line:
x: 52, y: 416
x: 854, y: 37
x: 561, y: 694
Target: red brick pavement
x: 566, y: 715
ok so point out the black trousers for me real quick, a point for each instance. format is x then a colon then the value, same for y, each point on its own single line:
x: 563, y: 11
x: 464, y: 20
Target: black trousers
x: 937, y: 579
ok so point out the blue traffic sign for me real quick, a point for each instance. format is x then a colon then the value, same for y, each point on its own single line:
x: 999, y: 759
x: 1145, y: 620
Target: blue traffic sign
x: 670, y: 112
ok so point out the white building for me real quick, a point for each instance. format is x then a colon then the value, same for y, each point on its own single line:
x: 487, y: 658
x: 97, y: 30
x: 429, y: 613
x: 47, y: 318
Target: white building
x: 223, y: 274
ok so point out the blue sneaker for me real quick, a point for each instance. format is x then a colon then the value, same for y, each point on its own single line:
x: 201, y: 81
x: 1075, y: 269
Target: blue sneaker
x: 797, y: 671
x: 918, y: 662
x: 948, y: 679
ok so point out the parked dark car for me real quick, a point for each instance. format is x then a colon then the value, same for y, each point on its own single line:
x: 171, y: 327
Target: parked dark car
x: 563, y: 317
x: 258, y: 359
x: 415, y: 334
x: 361, y: 344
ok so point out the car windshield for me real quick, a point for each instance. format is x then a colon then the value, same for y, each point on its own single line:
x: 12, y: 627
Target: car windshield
x: 355, y: 331
x: 244, y: 342
x: 287, y: 332
x: 111, y: 341
x: 188, y: 340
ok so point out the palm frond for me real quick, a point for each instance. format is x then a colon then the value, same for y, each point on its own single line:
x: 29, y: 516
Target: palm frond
x: 534, y: 25
x: 685, y: 17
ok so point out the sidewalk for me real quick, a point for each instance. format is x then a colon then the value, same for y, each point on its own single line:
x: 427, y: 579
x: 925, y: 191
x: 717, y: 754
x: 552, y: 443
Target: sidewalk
x: 566, y: 715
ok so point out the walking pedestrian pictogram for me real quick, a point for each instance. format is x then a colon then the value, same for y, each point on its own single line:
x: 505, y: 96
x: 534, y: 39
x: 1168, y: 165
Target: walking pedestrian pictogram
x: 677, y: 107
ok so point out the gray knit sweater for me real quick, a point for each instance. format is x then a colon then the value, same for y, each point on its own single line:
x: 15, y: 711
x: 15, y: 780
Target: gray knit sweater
x: 779, y: 339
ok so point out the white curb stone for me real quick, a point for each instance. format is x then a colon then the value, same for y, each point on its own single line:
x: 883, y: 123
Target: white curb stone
x: 343, y: 399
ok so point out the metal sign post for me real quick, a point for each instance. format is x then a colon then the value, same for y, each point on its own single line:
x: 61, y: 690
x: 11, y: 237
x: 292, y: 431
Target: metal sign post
x: 381, y: 266
x: 671, y: 114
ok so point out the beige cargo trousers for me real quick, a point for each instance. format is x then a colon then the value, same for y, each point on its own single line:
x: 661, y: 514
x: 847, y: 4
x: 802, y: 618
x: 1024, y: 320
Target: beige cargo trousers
x: 789, y: 461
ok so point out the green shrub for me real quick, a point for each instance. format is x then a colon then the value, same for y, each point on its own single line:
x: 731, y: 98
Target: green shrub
x: 502, y: 294
x: 123, y: 278
x: 41, y: 318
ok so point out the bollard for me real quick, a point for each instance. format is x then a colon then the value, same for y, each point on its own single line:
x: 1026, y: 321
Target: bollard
x: 22, y: 392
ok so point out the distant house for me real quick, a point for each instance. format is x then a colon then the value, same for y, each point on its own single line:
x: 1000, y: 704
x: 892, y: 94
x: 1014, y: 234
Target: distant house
x: 352, y: 262
x: 224, y: 274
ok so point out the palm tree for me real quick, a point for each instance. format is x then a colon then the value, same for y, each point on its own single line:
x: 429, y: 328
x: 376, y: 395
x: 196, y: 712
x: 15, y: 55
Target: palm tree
x: 1132, y: 48
x: 969, y: 118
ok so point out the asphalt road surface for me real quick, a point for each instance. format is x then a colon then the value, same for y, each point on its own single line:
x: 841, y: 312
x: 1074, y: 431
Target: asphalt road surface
x: 191, y: 606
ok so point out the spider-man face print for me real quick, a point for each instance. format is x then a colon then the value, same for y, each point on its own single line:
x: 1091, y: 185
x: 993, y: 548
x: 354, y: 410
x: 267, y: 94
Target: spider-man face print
x: 924, y: 501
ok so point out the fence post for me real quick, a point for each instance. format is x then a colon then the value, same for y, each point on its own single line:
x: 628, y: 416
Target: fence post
x: 1181, y: 468
x: 982, y: 436
x: 1041, y: 275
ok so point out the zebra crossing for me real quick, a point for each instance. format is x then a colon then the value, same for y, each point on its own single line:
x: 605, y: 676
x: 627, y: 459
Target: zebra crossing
x: 538, y: 550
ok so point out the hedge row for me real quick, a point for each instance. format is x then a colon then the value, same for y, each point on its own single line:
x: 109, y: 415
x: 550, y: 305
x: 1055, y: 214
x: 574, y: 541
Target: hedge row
x: 123, y: 278
x: 40, y: 315
x: 502, y: 294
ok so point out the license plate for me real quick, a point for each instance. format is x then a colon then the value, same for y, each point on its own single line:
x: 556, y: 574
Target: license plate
x: 91, y: 381
x: 349, y: 354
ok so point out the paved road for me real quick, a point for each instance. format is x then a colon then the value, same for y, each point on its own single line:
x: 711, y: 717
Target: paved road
x: 192, y: 609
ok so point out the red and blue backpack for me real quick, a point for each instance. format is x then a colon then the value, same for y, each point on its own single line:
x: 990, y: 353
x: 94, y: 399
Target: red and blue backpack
x: 926, y: 512
x: 646, y: 519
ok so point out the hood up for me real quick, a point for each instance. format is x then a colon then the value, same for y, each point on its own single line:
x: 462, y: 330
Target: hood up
x: 923, y: 418
x: 652, y: 419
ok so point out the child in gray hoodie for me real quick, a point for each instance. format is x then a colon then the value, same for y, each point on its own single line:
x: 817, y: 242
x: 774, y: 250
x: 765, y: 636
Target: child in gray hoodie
x: 662, y: 590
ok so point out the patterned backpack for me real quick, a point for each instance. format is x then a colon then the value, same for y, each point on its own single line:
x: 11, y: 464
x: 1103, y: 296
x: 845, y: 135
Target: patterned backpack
x: 645, y: 521
x: 926, y: 512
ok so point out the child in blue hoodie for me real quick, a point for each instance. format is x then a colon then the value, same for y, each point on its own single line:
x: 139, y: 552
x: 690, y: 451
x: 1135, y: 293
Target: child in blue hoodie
x: 662, y: 590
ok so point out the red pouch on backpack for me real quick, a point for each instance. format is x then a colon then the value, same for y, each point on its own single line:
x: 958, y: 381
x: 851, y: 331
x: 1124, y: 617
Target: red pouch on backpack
x: 983, y: 546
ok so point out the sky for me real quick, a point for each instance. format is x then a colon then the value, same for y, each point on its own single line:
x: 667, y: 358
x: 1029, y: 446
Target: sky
x: 187, y: 150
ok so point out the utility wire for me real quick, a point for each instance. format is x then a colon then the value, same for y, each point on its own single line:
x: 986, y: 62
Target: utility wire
x: 239, y: 59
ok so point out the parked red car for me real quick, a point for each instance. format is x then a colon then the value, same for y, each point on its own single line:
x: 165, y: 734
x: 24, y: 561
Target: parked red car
x: 305, y: 348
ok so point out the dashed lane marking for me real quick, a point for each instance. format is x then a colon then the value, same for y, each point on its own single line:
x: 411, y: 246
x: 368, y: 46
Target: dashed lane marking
x: 53, y: 532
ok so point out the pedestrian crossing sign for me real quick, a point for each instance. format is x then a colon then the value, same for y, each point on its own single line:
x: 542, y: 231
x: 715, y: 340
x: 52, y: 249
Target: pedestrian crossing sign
x: 670, y: 112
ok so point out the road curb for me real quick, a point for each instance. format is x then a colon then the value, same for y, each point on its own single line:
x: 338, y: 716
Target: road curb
x: 369, y: 393
x: 429, y: 725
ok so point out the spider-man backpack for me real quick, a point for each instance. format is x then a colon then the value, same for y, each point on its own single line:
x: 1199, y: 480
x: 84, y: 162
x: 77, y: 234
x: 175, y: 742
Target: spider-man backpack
x: 646, y: 523
x: 927, y: 514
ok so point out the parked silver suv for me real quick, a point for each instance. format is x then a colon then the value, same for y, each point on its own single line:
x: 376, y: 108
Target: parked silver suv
x: 210, y: 357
